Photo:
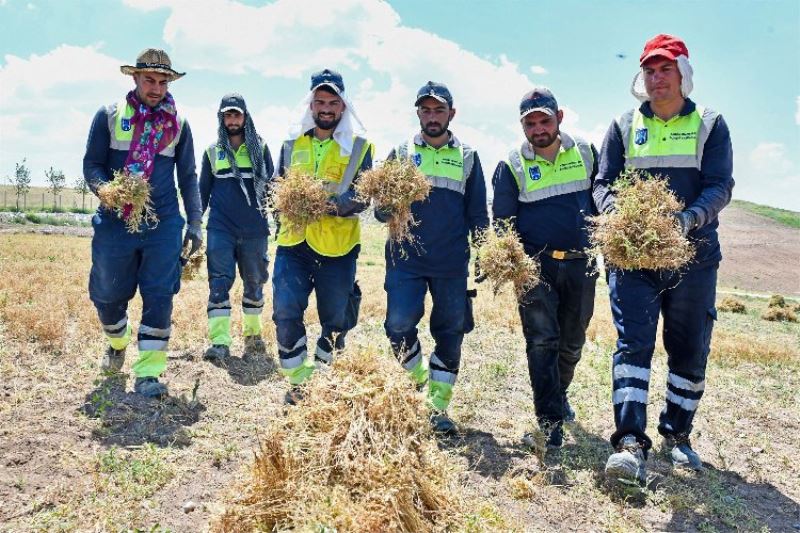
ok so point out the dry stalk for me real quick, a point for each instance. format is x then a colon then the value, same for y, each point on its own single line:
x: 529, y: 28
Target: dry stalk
x: 300, y: 200
x: 641, y: 232
x: 503, y: 260
x: 129, y: 193
x: 731, y: 304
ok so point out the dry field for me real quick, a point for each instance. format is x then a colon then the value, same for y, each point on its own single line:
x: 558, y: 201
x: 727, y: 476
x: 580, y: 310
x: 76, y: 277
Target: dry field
x: 81, y: 453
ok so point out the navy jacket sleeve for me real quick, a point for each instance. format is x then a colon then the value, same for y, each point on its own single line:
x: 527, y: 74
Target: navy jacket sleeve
x: 346, y: 204
x: 506, y: 195
x: 95, y: 160
x: 475, y: 200
x: 716, y: 175
x: 593, y: 177
x: 187, y: 175
x: 612, y: 163
x: 268, y: 162
x: 206, y: 182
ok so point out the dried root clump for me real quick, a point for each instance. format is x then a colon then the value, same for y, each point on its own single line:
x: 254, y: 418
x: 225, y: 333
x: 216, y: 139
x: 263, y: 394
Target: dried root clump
x: 356, y: 454
x: 641, y: 232
x: 730, y: 304
x: 128, y: 196
x: 193, y: 265
x: 503, y: 260
x: 300, y: 200
x: 394, y: 186
x: 778, y: 311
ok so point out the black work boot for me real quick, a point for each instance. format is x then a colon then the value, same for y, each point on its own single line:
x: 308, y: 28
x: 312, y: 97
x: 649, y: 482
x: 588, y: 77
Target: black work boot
x: 680, y: 451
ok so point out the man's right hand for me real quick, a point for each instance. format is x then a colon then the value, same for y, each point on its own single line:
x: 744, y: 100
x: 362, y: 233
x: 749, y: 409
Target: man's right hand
x: 383, y: 214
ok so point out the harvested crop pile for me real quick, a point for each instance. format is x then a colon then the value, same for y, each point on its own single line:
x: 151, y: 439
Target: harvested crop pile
x: 778, y: 311
x: 503, y: 260
x: 641, y: 232
x: 300, y: 200
x: 394, y: 186
x: 128, y: 196
x: 729, y: 304
x: 356, y: 454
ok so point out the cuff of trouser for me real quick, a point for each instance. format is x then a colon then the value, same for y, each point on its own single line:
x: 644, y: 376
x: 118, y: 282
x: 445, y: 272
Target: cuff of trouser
x: 419, y: 372
x: 299, y: 374
x: 120, y: 343
x: 251, y: 324
x: 150, y: 364
x: 439, y: 395
x: 219, y: 330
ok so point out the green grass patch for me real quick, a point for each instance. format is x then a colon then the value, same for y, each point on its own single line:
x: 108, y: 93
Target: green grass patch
x: 784, y: 216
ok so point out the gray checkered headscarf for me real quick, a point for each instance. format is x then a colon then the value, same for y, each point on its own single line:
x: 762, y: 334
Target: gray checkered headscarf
x: 255, y: 147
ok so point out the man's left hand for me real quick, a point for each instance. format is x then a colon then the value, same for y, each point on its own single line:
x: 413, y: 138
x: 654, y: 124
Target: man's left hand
x: 193, y: 238
x: 686, y: 220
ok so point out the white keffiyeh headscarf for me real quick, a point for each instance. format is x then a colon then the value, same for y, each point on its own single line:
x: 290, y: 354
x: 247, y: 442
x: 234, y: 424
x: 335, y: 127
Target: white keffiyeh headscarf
x: 349, y: 125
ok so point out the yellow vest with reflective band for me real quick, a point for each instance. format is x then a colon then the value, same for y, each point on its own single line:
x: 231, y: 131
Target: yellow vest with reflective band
x: 650, y: 142
x: 447, y: 167
x: 538, y: 178
x: 331, y: 236
x: 219, y: 161
x: 120, y: 127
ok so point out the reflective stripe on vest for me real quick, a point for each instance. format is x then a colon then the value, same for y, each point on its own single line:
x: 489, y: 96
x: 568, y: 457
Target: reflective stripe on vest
x: 676, y: 143
x: 445, y: 177
x: 221, y: 167
x: 120, y: 128
x: 571, y: 172
x: 332, y: 236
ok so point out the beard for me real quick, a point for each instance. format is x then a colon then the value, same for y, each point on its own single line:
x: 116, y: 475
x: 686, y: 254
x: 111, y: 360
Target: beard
x: 544, y: 140
x: 326, y: 123
x: 235, y: 130
x: 434, y: 129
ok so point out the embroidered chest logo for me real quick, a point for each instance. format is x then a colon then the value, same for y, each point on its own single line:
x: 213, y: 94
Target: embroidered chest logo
x: 417, y: 159
x: 221, y: 155
x: 126, y: 124
x: 640, y: 137
x: 535, y: 173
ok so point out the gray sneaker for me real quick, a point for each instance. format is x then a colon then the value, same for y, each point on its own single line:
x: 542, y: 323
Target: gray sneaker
x: 442, y: 424
x: 112, y: 360
x: 254, y: 344
x: 217, y: 352
x: 681, y: 453
x: 627, y: 464
x: 150, y: 388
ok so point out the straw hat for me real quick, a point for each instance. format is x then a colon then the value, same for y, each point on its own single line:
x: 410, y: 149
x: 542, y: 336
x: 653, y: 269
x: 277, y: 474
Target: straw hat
x: 153, y: 60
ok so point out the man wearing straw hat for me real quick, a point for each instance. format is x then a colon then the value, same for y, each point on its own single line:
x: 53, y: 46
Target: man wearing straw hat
x: 689, y: 145
x: 142, y: 135
x: 328, y: 144
x: 437, y: 257
x: 544, y: 190
x: 233, y: 183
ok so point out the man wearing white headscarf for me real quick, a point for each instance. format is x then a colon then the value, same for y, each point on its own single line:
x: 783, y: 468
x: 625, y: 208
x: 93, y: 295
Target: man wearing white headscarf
x: 328, y: 144
x: 690, y: 146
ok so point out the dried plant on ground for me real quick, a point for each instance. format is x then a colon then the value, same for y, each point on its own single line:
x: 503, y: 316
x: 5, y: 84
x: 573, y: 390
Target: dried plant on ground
x: 503, y: 260
x: 641, y: 232
x: 299, y: 199
x: 129, y: 197
x: 730, y: 304
x: 394, y: 186
x: 192, y: 265
x: 356, y: 454
x: 779, y: 314
x: 776, y: 300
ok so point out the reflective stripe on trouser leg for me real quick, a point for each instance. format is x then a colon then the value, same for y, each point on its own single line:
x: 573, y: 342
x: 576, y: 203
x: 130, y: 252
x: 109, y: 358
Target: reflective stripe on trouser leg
x: 440, y: 386
x: 152, y: 358
x: 414, y: 363
x: 219, y: 324
x: 683, y: 397
x: 294, y: 361
x: 251, y: 316
x: 119, y: 334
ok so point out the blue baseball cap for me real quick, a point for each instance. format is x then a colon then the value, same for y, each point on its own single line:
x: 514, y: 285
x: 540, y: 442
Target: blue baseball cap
x: 435, y: 90
x: 327, y: 77
x: 539, y: 99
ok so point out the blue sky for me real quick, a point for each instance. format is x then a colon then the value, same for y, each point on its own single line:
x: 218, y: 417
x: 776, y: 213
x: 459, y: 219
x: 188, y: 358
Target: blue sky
x: 60, y: 62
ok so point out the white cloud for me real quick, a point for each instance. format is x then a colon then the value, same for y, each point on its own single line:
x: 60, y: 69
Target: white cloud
x: 771, y: 157
x: 538, y: 69
x: 31, y: 6
x: 767, y: 175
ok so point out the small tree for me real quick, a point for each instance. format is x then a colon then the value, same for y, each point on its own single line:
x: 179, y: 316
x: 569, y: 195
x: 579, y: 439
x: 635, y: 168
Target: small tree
x: 56, y: 182
x: 22, y: 180
x: 81, y: 187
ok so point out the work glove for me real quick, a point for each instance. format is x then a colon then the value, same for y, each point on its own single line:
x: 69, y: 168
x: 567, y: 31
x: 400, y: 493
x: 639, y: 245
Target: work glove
x: 480, y: 277
x: 383, y: 214
x: 687, y: 220
x: 193, y: 239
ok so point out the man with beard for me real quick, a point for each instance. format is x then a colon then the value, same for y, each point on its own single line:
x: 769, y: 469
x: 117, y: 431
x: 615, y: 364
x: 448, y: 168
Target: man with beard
x: 690, y: 146
x: 233, y: 186
x: 544, y: 192
x: 437, y: 257
x: 142, y: 135
x: 328, y: 145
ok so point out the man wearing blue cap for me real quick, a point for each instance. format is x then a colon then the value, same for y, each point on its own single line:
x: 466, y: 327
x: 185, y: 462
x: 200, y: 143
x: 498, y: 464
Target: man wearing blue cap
x: 436, y: 258
x: 544, y: 191
x: 328, y: 144
x: 233, y: 187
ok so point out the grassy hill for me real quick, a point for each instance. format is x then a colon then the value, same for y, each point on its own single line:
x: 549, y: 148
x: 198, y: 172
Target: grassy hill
x: 82, y: 453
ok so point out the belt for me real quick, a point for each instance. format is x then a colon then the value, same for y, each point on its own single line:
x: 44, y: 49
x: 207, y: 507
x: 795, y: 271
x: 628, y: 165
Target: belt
x: 562, y: 255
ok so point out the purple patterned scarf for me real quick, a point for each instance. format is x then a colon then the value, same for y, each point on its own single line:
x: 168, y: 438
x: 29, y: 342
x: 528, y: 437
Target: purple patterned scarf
x: 153, y: 130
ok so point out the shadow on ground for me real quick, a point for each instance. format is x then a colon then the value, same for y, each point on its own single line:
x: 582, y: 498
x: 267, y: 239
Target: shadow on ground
x: 249, y: 369
x: 128, y: 419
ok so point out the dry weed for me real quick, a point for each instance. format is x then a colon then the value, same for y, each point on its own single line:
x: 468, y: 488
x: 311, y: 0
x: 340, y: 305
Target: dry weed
x: 355, y: 455
x: 503, y: 260
x: 777, y: 300
x: 641, y: 232
x: 731, y: 304
x: 192, y: 265
x: 129, y: 197
x: 394, y: 186
x: 300, y: 200
x: 779, y: 314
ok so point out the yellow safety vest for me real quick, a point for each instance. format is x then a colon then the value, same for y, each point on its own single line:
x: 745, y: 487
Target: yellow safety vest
x: 121, y: 129
x: 332, y: 236
x: 447, y: 167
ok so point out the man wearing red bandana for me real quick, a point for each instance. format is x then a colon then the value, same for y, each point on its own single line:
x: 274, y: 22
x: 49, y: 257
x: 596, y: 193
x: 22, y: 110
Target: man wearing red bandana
x: 142, y: 135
